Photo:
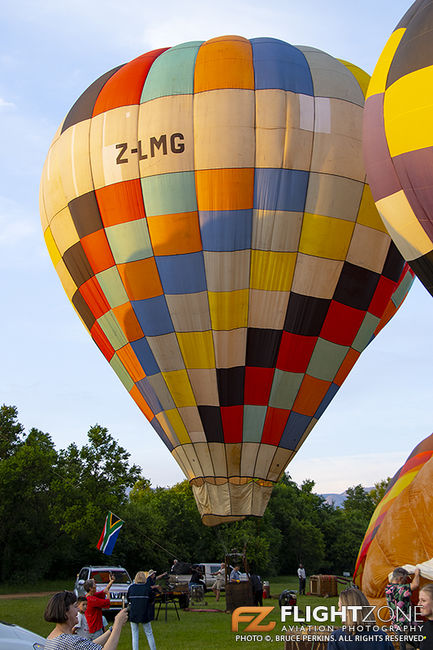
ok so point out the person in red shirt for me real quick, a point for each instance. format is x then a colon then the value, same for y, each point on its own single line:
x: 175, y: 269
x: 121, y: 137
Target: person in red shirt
x: 96, y: 602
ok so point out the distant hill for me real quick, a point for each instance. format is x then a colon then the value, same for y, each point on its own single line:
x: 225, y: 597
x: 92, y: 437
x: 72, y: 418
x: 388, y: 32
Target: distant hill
x: 338, y: 499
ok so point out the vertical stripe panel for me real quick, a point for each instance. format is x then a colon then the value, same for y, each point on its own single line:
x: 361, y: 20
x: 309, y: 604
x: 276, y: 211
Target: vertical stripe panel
x: 83, y: 107
x: 280, y: 65
x: 224, y: 152
x: 224, y: 62
x: 284, y: 125
x: 172, y: 73
x: 165, y: 130
x: 126, y: 85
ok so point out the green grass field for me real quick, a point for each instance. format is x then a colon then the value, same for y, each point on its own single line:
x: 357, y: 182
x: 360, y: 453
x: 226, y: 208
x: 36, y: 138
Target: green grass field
x: 194, y: 631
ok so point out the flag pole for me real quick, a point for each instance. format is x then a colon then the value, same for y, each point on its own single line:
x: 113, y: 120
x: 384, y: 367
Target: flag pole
x: 120, y: 518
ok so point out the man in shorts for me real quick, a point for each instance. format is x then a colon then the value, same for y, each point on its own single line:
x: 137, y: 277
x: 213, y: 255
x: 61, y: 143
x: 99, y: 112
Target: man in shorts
x: 219, y: 580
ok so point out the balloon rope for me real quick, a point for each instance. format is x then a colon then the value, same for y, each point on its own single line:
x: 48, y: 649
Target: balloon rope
x: 141, y: 533
x: 173, y: 555
x: 218, y: 532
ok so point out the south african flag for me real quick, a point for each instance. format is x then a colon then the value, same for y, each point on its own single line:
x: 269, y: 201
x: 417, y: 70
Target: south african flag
x: 109, y: 535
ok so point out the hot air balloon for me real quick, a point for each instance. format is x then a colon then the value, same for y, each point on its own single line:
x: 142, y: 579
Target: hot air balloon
x: 398, y: 138
x: 400, y: 530
x: 206, y: 209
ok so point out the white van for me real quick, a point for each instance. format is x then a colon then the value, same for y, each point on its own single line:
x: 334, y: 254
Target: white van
x: 207, y: 569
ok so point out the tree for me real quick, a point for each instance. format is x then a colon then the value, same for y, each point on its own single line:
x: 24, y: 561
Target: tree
x: 143, y: 532
x: 11, y: 431
x: 303, y: 519
x: 90, y: 482
x: 355, y: 516
x: 359, y: 500
x: 378, y: 492
x: 346, y: 546
x: 55, y: 505
x: 27, y: 537
x: 308, y: 544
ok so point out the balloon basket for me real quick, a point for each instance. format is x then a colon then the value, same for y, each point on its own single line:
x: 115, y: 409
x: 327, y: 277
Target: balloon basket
x: 323, y: 585
x: 238, y: 594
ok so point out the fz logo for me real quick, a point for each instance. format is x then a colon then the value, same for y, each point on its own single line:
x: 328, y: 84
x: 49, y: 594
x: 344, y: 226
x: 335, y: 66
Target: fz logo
x: 253, y: 616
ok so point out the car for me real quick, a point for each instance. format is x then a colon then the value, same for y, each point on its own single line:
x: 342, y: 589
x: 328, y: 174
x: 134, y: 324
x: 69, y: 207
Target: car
x: 101, y: 575
x: 14, y: 637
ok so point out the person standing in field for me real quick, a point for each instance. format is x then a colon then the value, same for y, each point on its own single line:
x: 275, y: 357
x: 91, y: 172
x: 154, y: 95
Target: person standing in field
x: 219, y: 580
x: 398, y: 598
x: 141, y: 601
x: 257, y: 587
x: 235, y: 575
x: 96, y: 602
x: 302, y: 576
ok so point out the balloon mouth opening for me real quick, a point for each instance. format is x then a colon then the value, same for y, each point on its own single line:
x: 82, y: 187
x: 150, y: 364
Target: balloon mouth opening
x: 199, y: 481
x: 215, y: 520
x: 224, y: 500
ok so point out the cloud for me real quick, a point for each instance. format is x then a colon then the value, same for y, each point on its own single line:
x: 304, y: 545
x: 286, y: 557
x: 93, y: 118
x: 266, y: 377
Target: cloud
x: 5, y: 104
x: 133, y: 26
x: 20, y: 239
x: 14, y: 232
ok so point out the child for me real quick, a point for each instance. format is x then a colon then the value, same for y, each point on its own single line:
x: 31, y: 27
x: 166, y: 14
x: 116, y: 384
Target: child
x: 82, y: 628
x: 398, y: 597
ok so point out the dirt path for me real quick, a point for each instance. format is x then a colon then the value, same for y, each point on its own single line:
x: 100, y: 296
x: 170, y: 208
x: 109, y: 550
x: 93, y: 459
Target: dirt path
x: 34, y: 593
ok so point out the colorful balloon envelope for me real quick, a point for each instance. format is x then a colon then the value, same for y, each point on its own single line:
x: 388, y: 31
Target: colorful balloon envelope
x: 399, y: 138
x: 400, y: 530
x: 206, y: 209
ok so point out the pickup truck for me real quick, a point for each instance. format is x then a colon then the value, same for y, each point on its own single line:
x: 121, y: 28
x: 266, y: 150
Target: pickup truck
x: 101, y: 575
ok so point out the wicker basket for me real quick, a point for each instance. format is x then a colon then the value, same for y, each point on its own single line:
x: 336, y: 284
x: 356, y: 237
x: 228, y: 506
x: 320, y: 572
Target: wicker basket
x: 238, y: 594
x: 323, y: 585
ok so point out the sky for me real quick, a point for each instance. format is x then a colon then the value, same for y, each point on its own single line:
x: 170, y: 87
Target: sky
x: 50, y: 369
